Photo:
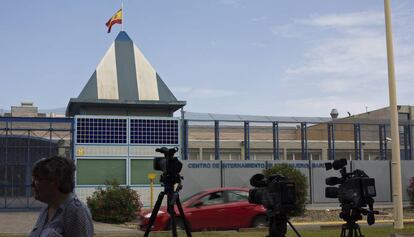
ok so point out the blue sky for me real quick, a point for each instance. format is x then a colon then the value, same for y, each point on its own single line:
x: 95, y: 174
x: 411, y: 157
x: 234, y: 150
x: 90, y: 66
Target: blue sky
x: 262, y: 57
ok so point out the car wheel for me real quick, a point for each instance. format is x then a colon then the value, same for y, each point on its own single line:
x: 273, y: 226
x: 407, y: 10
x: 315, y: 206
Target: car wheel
x: 259, y: 222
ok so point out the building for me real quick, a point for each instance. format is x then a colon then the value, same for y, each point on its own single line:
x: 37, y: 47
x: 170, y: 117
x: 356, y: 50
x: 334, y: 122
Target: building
x: 364, y: 136
x: 125, y: 111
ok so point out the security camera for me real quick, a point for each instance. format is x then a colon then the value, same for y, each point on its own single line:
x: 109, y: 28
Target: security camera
x: 388, y: 139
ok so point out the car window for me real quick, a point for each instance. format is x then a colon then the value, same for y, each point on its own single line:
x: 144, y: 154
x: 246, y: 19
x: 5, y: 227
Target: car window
x: 213, y: 198
x: 237, y: 196
x: 190, y: 197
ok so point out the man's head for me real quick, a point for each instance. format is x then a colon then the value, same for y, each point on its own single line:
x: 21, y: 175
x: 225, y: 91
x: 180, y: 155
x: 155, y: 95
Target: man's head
x: 52, y: 176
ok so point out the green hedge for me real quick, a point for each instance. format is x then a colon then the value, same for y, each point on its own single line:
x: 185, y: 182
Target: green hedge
x: 114, y: 204
x: 296, y: 177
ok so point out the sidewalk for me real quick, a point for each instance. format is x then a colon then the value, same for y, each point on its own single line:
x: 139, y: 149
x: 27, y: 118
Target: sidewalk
x: 23, y: 222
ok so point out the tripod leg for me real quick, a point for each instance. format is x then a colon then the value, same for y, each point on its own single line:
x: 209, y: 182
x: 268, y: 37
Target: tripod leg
x: 358, y: 232
x: 272, y: 229
x: 294, y: 229
x: 171, y: 211
x: 343, y: 230
x: 278, y: 227
x: 351, y: 231
x: 180, y: 209
x: 154, y: 213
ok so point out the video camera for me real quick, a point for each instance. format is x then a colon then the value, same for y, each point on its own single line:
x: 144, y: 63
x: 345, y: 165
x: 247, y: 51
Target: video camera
x: 278, y: 196
x: 274, y: 193
x: 356, y: 191
x: 169, y: 165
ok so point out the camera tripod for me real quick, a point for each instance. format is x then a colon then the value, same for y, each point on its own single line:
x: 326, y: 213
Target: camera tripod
x: 353, y: 230
x: 173, y: 198
x: 278, y: 225
x: 351, y: 216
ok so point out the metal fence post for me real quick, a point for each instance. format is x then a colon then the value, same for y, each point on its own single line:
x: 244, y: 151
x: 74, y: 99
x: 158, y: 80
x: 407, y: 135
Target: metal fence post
x: 304, y: 141
x: 382, y: 141
x: 357, y: 141
x: 185, y: 140
x: 275, y: 140
x: 331, y: 141
x: 216, y: 140
x: 246, y: 140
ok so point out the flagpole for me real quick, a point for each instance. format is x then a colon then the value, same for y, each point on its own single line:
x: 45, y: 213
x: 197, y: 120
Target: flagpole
x: 123, y: 13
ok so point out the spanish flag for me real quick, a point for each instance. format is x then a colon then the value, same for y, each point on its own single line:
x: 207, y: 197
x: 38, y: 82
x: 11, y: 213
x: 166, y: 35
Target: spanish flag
x: 115, y: 19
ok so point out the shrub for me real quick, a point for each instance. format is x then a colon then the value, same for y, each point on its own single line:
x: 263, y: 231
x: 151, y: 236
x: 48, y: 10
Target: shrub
x: 114, y: 204
x: 410, y: 191
x: 296, y: 177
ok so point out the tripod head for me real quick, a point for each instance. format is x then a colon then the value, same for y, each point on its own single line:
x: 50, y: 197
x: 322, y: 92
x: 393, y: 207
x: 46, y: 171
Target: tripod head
x: 170, y: 167
x: 352, y: 214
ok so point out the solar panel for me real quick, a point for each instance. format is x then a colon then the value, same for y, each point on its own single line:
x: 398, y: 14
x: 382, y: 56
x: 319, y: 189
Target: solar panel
x: 101, y: 130
x: 115, y: 131
x: 151, y: 131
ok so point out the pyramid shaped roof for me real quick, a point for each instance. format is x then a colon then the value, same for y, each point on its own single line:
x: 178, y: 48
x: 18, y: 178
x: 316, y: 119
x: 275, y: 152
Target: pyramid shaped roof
x: 124, y: 78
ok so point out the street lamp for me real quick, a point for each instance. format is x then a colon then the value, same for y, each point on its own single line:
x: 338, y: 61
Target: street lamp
x: 396, y: 162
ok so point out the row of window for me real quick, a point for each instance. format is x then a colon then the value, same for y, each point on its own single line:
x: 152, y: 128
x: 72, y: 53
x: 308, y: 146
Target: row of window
x: 114, y: 131
x: 208, y: 154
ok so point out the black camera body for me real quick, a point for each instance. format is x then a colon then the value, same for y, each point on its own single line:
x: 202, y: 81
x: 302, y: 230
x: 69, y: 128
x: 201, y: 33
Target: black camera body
x: 355, y: 188
x: 275, y: 193
x: 356, y: 191
x: 169, y: 165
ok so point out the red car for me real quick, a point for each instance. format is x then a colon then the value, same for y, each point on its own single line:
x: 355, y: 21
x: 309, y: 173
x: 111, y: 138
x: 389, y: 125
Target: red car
x: 218, y: 209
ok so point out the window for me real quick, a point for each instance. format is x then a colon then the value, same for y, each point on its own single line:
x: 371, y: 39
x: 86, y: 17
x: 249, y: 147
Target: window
x: 213, y: 198
x: 150, y: 131
x: 237, y: 196
x: 371, y: 155
x: 263, y: 155
x: 315, y: 154
x: 193, y: 154
x: 140, y: 169
x: 101, y: 130
x: 229, y: 155
x: 100, y: 171
x: 294, y: 155
x: 208, y: 154
x: 345, y: 154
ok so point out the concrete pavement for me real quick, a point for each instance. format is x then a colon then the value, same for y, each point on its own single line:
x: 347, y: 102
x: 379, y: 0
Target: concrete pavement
x: 23, y: 222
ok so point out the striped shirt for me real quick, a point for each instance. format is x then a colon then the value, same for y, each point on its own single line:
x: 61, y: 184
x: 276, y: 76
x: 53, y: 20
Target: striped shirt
x: 71, y: 219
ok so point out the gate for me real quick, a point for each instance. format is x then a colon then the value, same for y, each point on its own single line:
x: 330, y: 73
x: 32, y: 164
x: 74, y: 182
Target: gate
x: 23, y: 141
